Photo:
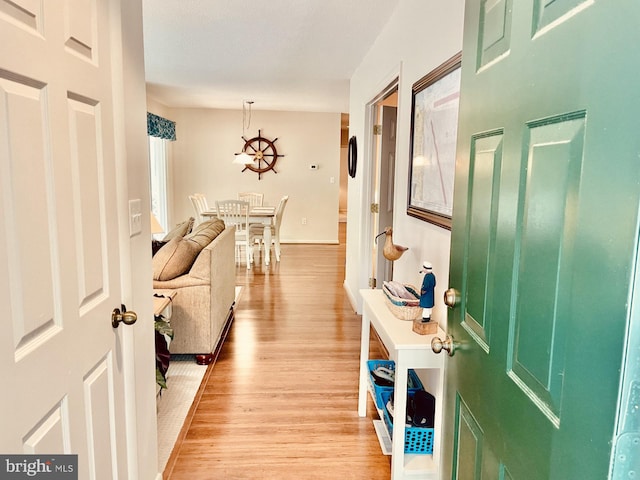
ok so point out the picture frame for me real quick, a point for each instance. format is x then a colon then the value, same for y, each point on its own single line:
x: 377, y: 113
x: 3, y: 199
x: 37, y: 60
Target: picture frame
x: 435, y: 100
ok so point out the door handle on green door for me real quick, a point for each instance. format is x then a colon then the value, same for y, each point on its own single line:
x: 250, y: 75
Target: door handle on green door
x: 451, y: 297
x: 437, y: 345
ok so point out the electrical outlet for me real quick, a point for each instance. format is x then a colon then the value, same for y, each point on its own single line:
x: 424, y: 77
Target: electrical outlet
x: 304, y: 220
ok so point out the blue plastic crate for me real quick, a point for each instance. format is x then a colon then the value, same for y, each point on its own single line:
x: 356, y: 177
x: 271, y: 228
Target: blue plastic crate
x: 417, y: 440
x: 413, y: 382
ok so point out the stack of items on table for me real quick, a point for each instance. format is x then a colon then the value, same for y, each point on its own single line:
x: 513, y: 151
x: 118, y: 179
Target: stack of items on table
x: 420, y: 411
x: 400, y: 290
x: 403, y: 300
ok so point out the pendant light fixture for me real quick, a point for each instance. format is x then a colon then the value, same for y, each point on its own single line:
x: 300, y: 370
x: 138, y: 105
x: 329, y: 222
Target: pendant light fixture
x: 243, y: 158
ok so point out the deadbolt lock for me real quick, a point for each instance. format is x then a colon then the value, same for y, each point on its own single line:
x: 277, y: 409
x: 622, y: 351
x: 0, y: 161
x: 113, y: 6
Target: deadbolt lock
x: 451, y: 297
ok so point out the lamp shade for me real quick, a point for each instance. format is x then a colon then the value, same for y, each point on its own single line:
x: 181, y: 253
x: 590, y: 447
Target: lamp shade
x: 243, y: 159
x: 155, y: 225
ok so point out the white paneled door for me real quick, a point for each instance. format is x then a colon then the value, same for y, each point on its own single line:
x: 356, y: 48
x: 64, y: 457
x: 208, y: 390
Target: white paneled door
x: 60, y: 357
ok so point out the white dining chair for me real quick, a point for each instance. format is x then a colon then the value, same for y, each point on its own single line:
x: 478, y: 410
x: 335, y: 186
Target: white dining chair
x: 256, y: 232
x: 197, y: 208
x: 236, y: 212
x: 255, y: 199
x: 204, y: 205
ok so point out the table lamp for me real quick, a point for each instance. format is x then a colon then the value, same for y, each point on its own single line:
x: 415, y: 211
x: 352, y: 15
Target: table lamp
x: 155, y: 225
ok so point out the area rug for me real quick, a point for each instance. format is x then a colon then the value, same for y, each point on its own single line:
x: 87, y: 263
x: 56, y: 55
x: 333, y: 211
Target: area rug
x: 183, y: 380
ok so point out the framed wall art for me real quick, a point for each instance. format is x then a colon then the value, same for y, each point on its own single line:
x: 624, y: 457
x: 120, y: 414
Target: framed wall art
x: 434, y: 126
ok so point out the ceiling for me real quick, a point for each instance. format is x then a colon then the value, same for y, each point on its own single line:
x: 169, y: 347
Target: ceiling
x: 291, y: 55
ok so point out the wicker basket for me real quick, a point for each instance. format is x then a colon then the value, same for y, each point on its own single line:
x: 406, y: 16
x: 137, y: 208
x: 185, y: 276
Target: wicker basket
x: 403, y: 308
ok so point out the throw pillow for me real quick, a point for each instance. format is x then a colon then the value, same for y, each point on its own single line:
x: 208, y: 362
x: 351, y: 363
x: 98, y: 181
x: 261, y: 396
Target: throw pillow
x: 156, y: 245
x: 174, y: 259
x: 180, y: 230
x: 205, y: 233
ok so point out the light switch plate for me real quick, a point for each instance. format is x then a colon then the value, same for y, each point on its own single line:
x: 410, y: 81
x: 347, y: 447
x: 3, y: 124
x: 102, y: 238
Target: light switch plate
x: 135, y: 217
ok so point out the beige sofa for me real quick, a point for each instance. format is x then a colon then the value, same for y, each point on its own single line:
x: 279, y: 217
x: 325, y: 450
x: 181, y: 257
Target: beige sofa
x: 203, y: 306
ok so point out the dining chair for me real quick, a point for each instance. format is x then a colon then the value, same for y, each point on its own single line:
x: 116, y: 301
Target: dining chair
x: 196, y: 202
x: 254, y: 199
x: 236, y: 212
x: 203, y: 201
x: 256, y: 232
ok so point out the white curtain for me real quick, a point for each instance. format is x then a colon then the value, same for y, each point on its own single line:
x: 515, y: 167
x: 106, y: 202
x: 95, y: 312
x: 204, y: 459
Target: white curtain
x: 158, y: 179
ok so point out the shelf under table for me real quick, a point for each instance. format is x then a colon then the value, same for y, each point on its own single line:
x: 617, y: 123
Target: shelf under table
x: 409, y: 350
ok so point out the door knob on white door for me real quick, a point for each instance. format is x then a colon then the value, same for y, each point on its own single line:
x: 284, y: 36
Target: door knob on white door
x: 437, y: 345
x: 126, y: 317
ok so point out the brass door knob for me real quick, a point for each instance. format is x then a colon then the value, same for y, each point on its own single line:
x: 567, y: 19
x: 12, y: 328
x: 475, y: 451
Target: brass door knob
x: 451, y: 297
x: 126, y: 317
x: 437, y: 345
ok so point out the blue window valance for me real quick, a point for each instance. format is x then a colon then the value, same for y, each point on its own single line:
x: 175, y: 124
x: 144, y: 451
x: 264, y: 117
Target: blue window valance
x: 160, y: 127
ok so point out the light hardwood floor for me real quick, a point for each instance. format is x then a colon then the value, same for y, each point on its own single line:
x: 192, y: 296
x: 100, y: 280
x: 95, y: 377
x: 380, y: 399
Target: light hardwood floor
x: 281, y: 400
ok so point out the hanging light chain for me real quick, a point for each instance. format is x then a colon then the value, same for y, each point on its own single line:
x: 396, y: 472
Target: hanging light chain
x: 246, y: 123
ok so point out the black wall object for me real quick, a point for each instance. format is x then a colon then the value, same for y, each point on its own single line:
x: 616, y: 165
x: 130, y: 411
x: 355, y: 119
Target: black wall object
x: 352, y: 156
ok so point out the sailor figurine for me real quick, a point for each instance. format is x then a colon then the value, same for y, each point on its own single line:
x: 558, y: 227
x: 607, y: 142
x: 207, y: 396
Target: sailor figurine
x: 426, y: 292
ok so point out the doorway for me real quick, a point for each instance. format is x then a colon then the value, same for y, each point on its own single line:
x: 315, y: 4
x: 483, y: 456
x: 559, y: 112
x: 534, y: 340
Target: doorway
x: 344, y: 144
x: 382, y: 128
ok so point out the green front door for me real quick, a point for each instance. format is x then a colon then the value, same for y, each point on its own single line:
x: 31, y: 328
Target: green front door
x: 545, y: 228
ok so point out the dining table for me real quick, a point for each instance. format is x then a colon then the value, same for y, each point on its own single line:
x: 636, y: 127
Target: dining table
x: 263, y: 215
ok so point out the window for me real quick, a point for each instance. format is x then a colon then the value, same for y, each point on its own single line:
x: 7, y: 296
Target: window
x: 160, y: 130
x: 158, y: 179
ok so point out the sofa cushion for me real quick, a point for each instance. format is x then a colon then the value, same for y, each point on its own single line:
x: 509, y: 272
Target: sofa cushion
x: 175, y: 258
x: 204, y: 233
x: 180, y: 230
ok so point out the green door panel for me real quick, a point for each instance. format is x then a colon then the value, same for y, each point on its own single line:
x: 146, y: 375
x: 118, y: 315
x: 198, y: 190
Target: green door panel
x: 544, y: 237
x: 484, y: 169
x: 549, y: 191
x: 468, y: 444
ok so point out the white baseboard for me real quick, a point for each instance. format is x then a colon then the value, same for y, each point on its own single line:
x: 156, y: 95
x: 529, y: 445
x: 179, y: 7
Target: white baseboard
x: 352, y: 299
x: 311, y: 242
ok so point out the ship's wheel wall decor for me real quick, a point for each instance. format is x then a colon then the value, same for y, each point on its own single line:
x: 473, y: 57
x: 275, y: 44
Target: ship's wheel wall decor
x: 264, y: 153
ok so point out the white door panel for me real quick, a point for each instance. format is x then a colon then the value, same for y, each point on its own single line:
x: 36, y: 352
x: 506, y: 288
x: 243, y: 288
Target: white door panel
x: 59, y: 248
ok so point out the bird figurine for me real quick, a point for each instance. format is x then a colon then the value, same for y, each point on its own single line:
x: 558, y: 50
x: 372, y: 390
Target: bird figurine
x: 390, y: 250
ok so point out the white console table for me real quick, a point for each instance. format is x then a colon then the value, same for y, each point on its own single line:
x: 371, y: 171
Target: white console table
x: 408, y: 350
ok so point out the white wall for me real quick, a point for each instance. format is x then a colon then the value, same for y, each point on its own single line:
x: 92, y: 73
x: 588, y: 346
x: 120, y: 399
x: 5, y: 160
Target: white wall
x: 158, y: 108
x: 208, y: 138
x: 420, y: 35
